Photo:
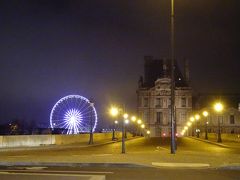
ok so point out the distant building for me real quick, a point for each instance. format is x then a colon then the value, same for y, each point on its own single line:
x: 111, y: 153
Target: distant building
x: 230, y: 117
x: 154, y: 93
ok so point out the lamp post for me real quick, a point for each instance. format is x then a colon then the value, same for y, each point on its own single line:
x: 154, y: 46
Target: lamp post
x: 205, y: 114
x: 218, y: 108
x: 189, y: 125
x: 114, y: 112
x: 206, y: 130
x: 126, y: 121
x: 91, y: 124
x: 139, y: 122
x: 192, y: 119
x: 173, y: 149
x: 133, y: 119
x: 114, y: 130
x: 125, y: 116
x: 148, y: 133
x: 142, y: 126
x: 197, y: 117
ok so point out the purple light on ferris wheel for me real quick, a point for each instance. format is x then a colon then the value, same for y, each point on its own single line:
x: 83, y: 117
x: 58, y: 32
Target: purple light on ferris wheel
x: 73, y: 113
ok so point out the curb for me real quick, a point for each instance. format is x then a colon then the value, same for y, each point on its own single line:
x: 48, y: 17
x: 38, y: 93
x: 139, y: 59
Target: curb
x: 230, y: 167
x: 121, y: 165
x: 210, y: 142
x: 181, y: 165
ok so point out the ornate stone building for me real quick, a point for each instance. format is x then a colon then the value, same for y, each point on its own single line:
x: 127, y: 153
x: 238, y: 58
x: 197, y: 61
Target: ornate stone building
x: 154, y: 93
x: 229, y: 121
x: 229, y: 118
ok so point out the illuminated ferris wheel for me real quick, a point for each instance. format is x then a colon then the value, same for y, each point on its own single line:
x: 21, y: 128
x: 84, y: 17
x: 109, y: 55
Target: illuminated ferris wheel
x: 75, y: 114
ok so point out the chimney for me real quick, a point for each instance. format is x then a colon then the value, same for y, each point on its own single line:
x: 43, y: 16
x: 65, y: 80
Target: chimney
x: 186, y: 70
x: 164, y: 67
x: 148, y: 60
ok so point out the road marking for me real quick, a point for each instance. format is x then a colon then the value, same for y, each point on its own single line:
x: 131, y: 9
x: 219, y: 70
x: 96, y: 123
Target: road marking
x: 101, y: 154
x: 189, y: 165
x: 35, y: 168
x: 93, y: 154
x: 92, y: 177
x: 14, y: 156
x: 55, y: 172
x: 159, y: 147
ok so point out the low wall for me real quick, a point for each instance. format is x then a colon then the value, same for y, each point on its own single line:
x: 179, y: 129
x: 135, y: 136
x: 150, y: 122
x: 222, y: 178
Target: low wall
x: 225, y: 137
x: 26, y: 140
x: 38, y: 140
x: 80, y: 138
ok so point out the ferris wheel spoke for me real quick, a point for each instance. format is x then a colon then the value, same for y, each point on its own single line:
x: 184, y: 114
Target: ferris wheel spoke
x: 82, y: 105
x: 61, y: 123
x: 86, y: 109
x: 85, y: 124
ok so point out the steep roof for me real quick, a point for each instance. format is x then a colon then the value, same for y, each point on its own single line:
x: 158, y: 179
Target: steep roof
x: 160, y: 68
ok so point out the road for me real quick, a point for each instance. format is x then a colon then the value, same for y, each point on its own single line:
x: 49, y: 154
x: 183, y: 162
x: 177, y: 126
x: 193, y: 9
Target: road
x: 142, y: 151
x: 116, y: 173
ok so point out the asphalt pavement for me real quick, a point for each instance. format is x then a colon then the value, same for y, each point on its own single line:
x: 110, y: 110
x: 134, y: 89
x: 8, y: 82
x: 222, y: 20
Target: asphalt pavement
x: 141, y: 151
x: 145, y: 158
x: 116, y: 173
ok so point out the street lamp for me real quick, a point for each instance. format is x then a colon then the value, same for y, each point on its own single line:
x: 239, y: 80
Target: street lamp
x: 91, y: 124
x: 173, y: 123
x: 114, y: 112
x: 197, y: 117
x: 205, y: 114
x: 142, y: 126
x: 192, y: 119
x: 125, y: 116
x: 139, y: 122
x: 218, y: 107
x: 133, y: 119
x: 126, y: 121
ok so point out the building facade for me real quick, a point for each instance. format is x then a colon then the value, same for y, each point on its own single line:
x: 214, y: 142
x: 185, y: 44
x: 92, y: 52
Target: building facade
x: 229, y: 118
x: 229, y: 122
x: 154, y: 96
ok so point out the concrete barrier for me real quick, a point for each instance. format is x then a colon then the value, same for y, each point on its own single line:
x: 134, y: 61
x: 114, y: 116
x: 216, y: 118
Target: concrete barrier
x: 81, y: 138
x: 27, y: 140
x: 38, y: 140
x: 225, y: 137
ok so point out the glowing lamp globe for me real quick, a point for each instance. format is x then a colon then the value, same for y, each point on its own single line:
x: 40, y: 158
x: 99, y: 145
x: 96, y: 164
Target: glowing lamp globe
x: 139, y: 121
x: 205, y: 113
x: 125, y: 116
x: 218, y: 107
x: 114, y: 111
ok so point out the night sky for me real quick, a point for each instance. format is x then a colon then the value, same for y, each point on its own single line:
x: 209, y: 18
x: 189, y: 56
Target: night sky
x: 95, y: 48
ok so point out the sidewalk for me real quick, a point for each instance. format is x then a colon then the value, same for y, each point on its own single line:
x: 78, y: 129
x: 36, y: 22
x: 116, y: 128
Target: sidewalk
x: 159, y: 156
x: 225, y: 143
